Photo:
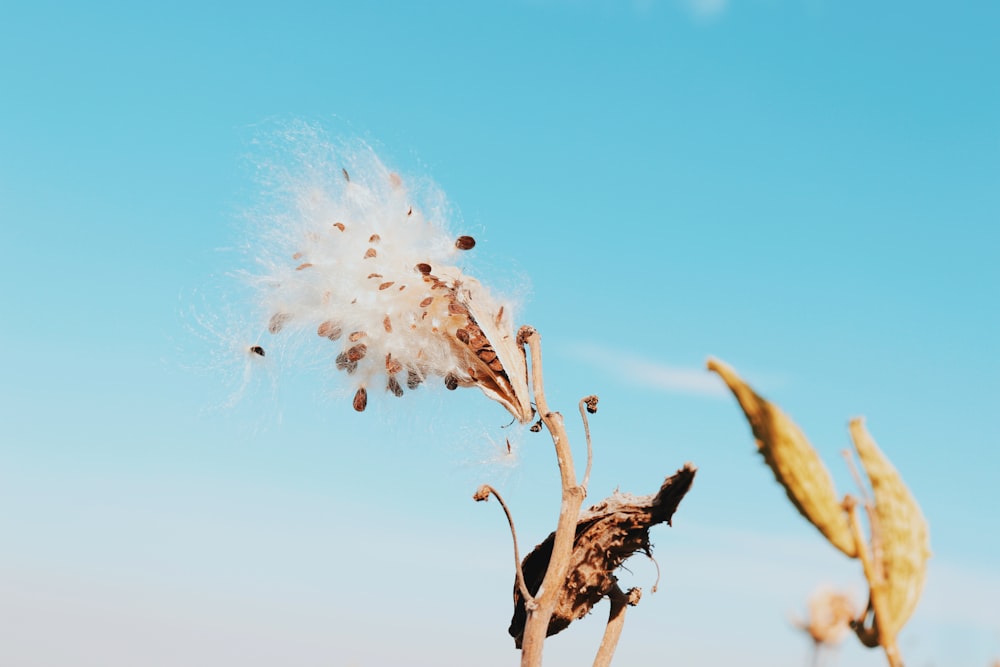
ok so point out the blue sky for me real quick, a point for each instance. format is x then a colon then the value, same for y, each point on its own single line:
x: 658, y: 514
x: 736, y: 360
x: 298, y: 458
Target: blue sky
x: 808, y: 190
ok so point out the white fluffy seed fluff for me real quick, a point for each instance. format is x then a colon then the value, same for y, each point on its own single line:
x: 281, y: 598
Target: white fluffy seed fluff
x: 351, y: 254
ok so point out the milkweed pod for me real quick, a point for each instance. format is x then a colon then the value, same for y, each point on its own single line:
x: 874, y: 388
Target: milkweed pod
x: 902, y: 531
x: 795, y: 463
x: 503, y: 377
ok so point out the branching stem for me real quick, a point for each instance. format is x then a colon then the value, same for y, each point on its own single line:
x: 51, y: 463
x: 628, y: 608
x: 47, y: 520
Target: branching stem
x: 537, y: 623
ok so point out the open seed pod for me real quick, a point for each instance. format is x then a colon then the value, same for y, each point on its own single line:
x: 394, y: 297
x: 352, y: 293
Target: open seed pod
x: 795, y: 463
x: 606, y: 535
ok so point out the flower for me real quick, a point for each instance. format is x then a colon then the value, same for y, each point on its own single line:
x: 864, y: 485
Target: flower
x: 350, y: 255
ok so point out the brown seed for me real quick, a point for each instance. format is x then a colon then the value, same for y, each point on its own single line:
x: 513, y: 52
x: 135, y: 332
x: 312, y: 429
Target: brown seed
x: 374, y: 275
x: 339, y: 225
x: 297, y: 255
x: 345, y: 364
x: 394, y: 387
x: 457, y: 309
x: 413, y: 379
x: 591, y: 402
x: 356, y: 336
x: 462, y: 335
x: 370, y: 253
x: 391, y: 365
x: 499, y: 317
x: 424, y: 268
x: 361, y: 400
x: 387, y: 285
x: 278, y: 321
x: 387, y: 323
x: 487, y: 354
x: 347, y: 177
x: 496, y: 366
x: 450, y: 381
x: 409, y: 211
x: 257, y: 349
x: 304, y: 265
x: 374, y: 238
x: 465, y: 243
x: 426, y: 302
x: 357, y: 352
x: 329, y: 330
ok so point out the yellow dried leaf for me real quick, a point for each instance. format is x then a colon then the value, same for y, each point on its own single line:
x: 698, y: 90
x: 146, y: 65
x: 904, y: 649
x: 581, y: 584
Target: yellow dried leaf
x: 901, y: 531
x: 795, y: 463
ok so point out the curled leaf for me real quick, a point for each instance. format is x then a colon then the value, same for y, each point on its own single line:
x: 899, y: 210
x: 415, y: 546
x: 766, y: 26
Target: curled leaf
x: 795, y: 463
x: 606, y: 535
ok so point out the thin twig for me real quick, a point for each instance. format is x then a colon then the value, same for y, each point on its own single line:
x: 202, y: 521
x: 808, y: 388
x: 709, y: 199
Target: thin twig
x: 649, y: 554
x: 587, y: 404
x: 483, y: 494
x: 856, y: 474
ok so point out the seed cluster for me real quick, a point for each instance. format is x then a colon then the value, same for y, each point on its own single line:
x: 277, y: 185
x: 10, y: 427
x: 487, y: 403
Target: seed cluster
x: 365, y: 267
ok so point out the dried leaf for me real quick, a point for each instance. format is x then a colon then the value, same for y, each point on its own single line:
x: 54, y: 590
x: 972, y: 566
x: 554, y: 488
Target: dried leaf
x: 795, y: 463
x: 606, y: 535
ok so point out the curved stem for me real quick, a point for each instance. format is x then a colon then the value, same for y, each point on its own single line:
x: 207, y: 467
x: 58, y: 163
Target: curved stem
x: 537, y: 623
x: 587, y: 404
x: 483, y: 494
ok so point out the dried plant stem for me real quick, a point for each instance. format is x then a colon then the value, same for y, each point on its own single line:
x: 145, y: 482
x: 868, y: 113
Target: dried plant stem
x: 616, y: 621
x: 877, y: 590
x: 587, y: 403
x: 856, y: 474
x: 482, y: 494
x: 573, y: 494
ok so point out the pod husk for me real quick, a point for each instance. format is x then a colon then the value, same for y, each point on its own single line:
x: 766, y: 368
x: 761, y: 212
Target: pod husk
x: 901, y: 532
x: 795, y: 463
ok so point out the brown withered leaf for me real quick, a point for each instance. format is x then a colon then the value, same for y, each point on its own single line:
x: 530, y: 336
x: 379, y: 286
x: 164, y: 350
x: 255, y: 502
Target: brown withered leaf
x: 606, y: 535
x: 901, y: 532
x: 795, y: 463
